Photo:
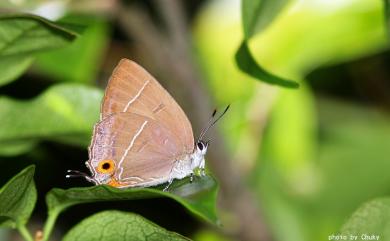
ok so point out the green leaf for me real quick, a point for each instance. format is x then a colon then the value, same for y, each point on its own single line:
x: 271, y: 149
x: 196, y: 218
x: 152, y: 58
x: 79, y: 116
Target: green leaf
x: 386, y: 8
x: 24, y: 34
x: 80, y: 61
x: 351, y: 135
x: 12, y: 67
x: 27, y: 33
x: 26, y: 4
x: 286, y: 44
x: 198, y: 197
x: 14, y: 148
x: 293, y: 154
x: 116, y: 225
x: 64, y: 113
x: 328, y: 189
x: 247, y: 64
x: 17, y: 199
x: 373, y: 218
x: 258, y: 14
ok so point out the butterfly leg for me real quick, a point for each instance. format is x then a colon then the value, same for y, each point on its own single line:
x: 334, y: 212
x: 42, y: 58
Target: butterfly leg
x: 171, y: 177
x: 169, y: 184
x: 202, y: 167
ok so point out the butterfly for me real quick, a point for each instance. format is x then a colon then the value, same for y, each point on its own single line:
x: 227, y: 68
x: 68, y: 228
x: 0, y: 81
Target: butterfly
x: 143, y: 137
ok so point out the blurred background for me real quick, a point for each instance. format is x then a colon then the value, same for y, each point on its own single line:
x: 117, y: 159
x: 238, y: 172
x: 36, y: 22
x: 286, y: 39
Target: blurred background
x: 292, y: 164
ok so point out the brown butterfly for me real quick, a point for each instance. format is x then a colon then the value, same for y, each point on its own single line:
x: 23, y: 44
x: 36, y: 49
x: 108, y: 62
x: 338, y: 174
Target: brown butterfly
x: 143, y: 138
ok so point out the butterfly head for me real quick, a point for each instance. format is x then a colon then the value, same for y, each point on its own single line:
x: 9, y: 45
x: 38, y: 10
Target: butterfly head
x: 197, y: 158
x: 201, y: 147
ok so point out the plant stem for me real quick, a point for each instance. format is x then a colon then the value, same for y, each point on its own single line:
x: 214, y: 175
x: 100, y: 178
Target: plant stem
x: 25, y: 233
x: 49, y: 224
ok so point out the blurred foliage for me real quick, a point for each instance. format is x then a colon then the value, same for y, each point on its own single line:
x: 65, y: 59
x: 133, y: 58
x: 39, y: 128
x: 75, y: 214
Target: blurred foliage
x: 247, y: 63
x: 65, y: 112
x: 313, y: 39
x: 256, y: 16
x: 209, y: 235
x: 22, y: 35
x: 308, y: 184
x: 350, y: 168
x: 80, y: 61
x: 311, y: 161
x: 13, y: 67
x: 370, y: 219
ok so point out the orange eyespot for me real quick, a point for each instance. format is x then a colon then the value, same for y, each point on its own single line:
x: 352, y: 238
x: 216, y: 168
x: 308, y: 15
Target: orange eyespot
x: 106, y: 166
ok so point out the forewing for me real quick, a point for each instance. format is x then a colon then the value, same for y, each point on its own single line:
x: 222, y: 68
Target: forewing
x: 141, y: 148
x: 132, y: 89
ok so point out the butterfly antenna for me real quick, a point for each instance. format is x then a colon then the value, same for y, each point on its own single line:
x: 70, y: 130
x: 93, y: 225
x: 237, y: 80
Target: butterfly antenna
x: 211, y: 123
x: 74, y: 173
x: 208, y: 123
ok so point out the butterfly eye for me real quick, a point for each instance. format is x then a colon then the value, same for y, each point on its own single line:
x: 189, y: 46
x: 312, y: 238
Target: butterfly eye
x: 200, y: 146
x: 106, y: 166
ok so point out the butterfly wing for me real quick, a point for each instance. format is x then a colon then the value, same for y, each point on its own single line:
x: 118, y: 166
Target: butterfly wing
x: 132, y: 89
x: 143, y: 150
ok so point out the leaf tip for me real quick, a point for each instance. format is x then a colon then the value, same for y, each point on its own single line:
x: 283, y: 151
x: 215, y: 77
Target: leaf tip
x: 247, y: 64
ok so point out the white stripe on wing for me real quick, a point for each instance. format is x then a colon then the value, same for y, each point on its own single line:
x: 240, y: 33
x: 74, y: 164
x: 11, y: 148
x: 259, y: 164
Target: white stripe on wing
x: 136, y: 96
x: 129, y: 147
